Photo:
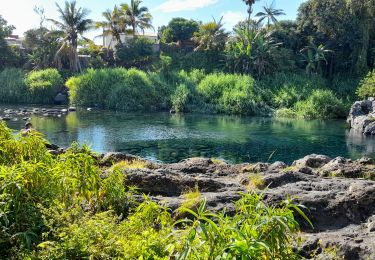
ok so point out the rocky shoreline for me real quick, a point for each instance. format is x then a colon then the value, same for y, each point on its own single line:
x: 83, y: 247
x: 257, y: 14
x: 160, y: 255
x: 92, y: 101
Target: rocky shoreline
x: 10, y: 114
x: 338, y: 193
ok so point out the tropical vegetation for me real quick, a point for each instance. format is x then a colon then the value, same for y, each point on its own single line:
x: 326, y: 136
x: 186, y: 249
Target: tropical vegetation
x: 282, y: 58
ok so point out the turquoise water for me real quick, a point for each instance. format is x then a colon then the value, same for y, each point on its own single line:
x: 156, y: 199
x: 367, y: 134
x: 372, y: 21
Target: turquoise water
x: 170, y: 138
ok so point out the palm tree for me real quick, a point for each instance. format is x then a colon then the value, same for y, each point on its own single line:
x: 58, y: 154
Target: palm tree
x: 114, y: 24
x: 314, y: 55
x: 137, y: 16
x: 250, y: 4
x: 73, y: 23
x: 211, y: 36
x: 270, y: 13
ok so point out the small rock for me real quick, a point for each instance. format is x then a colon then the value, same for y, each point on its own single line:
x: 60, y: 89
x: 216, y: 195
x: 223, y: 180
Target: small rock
x: 312, y: 161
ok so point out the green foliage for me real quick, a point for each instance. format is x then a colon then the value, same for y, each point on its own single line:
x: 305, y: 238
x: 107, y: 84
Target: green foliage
x: 179, y: 29
x: 231, y: 93
x: 137, y: 52
x: 35, y: 87
x: 285, y: 89
x: 12, y: 86
x: 44, y: 85
x: 367, y: 86
x: 321, y: 104
x: 8, y: 56
x: 180, y: 98
x: 63, y: 207
x: 129, y: 90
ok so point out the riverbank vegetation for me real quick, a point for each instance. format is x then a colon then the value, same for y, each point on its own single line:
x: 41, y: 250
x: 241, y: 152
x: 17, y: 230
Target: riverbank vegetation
x: 67, y: 206
x: 263, y: 65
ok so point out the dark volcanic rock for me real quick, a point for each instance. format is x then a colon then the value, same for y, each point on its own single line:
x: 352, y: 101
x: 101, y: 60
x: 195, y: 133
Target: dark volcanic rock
x: 341, y: 209
x: 362, y: 116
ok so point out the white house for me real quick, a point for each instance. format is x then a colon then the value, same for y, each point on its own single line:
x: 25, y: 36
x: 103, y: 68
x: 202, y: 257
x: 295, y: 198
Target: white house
x: 110, y: 42
x: 14, y: 40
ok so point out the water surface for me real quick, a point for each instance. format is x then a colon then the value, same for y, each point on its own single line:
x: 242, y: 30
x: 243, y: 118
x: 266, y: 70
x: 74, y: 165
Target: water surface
x: 170, y: 138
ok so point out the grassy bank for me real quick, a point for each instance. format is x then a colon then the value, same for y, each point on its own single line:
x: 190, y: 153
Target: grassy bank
x: 64, y: 207
x: 289, y: 94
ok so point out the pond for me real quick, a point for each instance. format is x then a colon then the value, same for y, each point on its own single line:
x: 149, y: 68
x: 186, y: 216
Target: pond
x: 171, y: 138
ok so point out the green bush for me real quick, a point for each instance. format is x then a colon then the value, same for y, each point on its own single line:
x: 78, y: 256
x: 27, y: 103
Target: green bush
x: 44, y: 85
x: 36, y: 87
x: 134, y: 93
x: 285, y: 112
x: 367, y: 86
x: 231, y: 93
x: 128, y: 90
x: 285, y: 89
x: 321, y: 104
x: 12, y: 86
x: 94, y: 86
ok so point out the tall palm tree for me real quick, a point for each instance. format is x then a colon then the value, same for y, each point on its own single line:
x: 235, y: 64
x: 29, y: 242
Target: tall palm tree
x: 250, y: 4
x: 211, y: 36
x: 73, y: 24
x: 270, y: 13
x: 113, y: 25
x: 138, y: 17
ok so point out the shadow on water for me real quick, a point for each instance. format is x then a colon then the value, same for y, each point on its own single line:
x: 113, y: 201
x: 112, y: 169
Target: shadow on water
x: 170, y: 138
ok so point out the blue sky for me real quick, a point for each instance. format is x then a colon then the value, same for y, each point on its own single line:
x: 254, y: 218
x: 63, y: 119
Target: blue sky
x: 20, y: 12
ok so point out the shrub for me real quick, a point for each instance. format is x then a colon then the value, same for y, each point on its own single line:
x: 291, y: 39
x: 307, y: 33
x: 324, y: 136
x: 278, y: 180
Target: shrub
x: 12, y: 86
x: 180, y: 98
x: 321, y: 104
x: 230, y: 93
x: 134, y: 93
x: 128, y: 90
x: 93, y: 87
x: 285, y: 89
x: 44, y: 85
x: 286, y: 112
x: 367, y: 86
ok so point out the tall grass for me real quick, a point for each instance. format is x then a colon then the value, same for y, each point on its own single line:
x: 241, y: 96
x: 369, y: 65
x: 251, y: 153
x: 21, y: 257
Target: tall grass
x: 231, y: 93
x: 129, y: 90
x: 12, y: 86
x: 35, y: 87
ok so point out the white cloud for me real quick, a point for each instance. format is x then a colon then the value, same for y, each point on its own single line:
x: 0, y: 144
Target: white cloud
x: 231, y: 18
x: 171, y: 6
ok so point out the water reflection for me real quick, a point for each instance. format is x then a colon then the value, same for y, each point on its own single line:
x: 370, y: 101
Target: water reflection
x: 170, y: 138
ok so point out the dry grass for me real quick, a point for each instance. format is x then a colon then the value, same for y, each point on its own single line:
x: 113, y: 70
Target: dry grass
x: 192, y: 198
x: 129, y: 165
x: 256, y: 181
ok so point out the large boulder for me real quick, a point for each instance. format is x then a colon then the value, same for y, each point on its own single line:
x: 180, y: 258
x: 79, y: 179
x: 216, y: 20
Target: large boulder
x: 362, y: 116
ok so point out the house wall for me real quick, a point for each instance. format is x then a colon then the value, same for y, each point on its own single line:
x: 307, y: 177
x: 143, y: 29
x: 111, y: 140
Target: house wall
x: 110, y: 42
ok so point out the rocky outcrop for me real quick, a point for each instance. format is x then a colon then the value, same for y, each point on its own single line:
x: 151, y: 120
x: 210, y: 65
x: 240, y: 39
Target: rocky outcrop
x: 362, y: 116
x: 341, y: 209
